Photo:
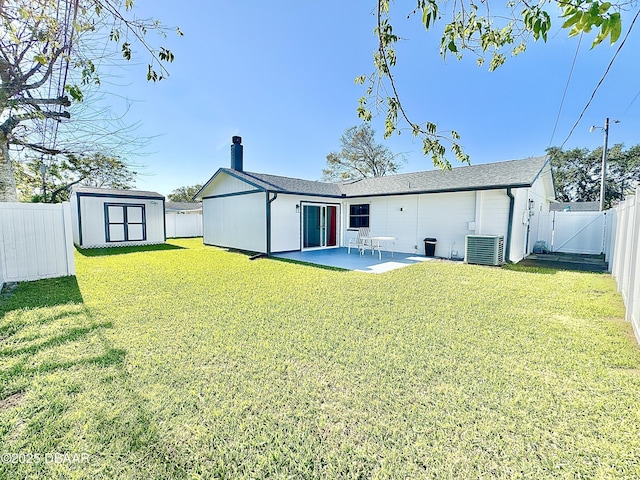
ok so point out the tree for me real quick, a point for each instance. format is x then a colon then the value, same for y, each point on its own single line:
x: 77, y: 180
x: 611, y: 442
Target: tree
x: 53, y: 186
x: 624, y: 171
x: 184, y: 194
x: 578, y: 172
x: 477, y: 28
x: 360, y: 157
x: 48, y: 60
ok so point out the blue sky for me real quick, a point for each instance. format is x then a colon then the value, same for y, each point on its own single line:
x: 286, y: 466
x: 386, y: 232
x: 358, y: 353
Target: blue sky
x: 281, y: 75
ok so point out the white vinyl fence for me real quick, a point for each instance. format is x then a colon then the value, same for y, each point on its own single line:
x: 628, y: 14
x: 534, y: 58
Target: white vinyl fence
x: 35, y: 241
x: 183, y: 225
x: 626, y: 254
x: 573, y: 232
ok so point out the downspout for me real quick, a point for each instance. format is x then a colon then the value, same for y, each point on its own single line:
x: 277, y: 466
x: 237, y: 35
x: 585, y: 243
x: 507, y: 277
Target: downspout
x: 164, y: 220
x: 269, y: 201
x: 512, y: 202
x: 78, y: 197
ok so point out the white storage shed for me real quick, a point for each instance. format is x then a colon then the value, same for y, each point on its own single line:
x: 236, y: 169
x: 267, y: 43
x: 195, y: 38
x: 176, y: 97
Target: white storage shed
x: 104, y: 217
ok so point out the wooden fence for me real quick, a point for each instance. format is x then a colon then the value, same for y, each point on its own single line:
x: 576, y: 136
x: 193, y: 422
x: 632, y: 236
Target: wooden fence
x: 626, y: 255
x: 35, y: 241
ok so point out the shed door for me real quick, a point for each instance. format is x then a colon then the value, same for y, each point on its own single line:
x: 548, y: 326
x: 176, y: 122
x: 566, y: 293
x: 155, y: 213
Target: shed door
x: 125, y: 223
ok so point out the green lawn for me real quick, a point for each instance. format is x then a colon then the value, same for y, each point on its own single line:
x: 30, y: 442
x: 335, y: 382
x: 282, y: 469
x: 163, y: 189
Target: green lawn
x: 193, y: 362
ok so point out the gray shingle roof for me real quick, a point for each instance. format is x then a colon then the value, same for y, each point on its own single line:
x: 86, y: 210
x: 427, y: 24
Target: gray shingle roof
x: 499, y: 175
x: 276, y: 183
x: 513, y: 173
x: 114, y: 192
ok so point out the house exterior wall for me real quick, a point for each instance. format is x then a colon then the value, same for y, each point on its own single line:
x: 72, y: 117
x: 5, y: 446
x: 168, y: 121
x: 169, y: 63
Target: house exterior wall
x: 236, y: 221
x: 445, y: 217
x: 492, y: 212
x: 412, y: 218
x: 521, y: 224
x: 90, y: 220
x: 449, y: 217
x: 286, y: 227
x: 225, y: 184
x: 285, y: 223
x: 236, y: 215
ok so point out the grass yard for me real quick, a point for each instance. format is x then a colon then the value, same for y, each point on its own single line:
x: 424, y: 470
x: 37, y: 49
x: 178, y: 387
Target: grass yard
x: 192, y: 362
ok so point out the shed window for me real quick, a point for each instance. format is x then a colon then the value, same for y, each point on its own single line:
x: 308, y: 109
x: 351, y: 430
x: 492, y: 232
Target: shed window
x: 125, y: 222
x: 359, y: 215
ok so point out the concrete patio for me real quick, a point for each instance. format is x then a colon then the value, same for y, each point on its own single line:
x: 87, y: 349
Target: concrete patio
x: 339, y: 258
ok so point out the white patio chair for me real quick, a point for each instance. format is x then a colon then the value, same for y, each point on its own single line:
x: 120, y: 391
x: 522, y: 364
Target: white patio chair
x: 360, y: 241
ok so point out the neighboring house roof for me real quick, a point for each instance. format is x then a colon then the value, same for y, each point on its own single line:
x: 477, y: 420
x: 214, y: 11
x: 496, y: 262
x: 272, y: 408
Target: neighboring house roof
x: 513, y: 173
x: 115, y: 192
x: 575, y: 206
x: 170, y: 207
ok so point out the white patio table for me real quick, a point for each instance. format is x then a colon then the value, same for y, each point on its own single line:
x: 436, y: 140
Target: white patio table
x: 377, y: 243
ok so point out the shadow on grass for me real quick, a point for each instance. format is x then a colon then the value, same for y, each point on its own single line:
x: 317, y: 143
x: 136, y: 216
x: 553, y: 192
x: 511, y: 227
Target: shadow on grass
x: 262, y: 256
x: 102, y: 252
x: 309, y: 264
x: 49, y: 292
x: 53, y: 346
x: 39, y: 318
x: 516, y: 267
x: 70, y: 335
x: 552, y: 270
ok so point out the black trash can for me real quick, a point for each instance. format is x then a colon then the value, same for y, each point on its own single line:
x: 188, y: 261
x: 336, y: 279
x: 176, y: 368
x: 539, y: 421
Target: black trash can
x: 430, y: 247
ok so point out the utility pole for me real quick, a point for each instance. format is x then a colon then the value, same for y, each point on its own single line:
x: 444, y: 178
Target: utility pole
x: 604, y: 163
x: 604, y: 159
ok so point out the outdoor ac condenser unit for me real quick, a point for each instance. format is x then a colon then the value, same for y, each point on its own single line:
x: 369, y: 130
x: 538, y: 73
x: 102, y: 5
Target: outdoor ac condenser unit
x: 484, y: 249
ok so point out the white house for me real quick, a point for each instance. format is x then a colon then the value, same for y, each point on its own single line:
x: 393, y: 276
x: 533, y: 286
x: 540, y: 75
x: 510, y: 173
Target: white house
x: 104, y: 217
x: 270, y: 214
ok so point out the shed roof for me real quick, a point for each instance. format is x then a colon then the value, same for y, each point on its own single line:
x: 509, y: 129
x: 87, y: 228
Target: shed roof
x: 115, y: 192
x: 498, y: 175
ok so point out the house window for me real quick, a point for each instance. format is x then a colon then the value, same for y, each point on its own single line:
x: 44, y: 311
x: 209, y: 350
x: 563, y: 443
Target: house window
x: 125, y: 222
x: 359, y: 215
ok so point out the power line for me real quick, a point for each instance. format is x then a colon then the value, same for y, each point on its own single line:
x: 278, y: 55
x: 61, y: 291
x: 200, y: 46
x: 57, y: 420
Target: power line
x: 632, y: 101
x: 58, y: 80
x: 564, y: 94
x: 601, y: 79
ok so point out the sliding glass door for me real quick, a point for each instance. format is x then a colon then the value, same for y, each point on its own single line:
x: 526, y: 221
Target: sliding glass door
x: 319, y: 226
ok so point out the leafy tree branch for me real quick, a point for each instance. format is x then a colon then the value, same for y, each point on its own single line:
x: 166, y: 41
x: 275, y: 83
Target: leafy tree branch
x: 48, y: 64
x: 472, y: 26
